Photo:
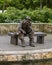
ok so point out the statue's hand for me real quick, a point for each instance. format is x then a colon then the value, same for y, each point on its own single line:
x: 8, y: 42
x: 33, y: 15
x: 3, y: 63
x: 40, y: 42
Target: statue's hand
x: 24, y: 32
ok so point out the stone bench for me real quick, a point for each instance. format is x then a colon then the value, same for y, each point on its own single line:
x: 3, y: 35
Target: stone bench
x: 14, y: 37
x: 40, y: 36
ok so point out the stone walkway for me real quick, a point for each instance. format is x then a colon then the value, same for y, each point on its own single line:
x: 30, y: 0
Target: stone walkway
x: 6, y: 46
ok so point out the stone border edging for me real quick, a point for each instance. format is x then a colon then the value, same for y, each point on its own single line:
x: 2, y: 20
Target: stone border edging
x: 26, y: 51
x: 25, y: 55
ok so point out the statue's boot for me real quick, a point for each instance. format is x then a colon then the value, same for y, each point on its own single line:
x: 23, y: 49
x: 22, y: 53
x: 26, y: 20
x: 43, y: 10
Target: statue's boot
x: 32, y: 43
x: 23, y: 43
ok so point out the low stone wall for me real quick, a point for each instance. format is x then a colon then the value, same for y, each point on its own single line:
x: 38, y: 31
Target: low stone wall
x: 25, y: 55
x: 13, y: 27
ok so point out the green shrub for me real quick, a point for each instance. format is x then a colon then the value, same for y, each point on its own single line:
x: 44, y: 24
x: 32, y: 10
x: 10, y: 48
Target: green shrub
x: 2, y: 18
x: 14, y: 15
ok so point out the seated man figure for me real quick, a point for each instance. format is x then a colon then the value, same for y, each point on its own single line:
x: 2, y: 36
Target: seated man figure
x: 26, y: 28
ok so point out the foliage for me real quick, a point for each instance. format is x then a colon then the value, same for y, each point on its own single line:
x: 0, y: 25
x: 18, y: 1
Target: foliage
x: 2, y: 17
x: 21, y: 4
x: 15, y: 15
x: 38, y: 10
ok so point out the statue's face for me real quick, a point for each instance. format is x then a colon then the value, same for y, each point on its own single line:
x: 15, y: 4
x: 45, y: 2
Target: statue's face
x: 28, y: 20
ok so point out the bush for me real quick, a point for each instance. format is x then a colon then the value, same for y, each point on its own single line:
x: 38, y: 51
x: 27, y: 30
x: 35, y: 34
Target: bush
x: 14, y: 15
x: 2, y: 18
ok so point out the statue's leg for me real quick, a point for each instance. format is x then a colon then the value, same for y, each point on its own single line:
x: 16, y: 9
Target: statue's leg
x: 31, y: 39
x: 21, y: 37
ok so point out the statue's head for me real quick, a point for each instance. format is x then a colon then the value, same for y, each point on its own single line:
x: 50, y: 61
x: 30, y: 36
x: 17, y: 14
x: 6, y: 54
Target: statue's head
x: 28, y: 18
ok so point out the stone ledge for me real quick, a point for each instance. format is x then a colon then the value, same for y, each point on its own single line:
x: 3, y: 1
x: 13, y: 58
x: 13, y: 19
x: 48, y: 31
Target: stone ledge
x: 25, y: 55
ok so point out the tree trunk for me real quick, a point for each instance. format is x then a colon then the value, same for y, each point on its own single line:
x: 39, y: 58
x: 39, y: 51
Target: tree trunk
x: 40, y: 4
x: 3, y: 6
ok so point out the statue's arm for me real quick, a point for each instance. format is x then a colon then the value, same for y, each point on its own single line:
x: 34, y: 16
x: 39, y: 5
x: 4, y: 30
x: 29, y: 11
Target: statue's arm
x: 20, y: 27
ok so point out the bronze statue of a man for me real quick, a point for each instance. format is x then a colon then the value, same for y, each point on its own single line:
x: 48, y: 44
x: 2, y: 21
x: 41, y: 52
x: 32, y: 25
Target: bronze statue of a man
x: 26, y: 28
